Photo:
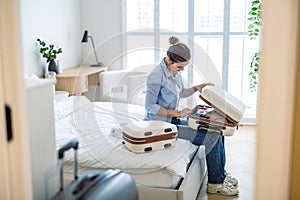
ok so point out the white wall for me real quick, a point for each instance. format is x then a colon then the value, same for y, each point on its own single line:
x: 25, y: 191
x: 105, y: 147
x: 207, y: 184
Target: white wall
x: 102, y: 19
x: 62, y: 22
x: 55, y: 21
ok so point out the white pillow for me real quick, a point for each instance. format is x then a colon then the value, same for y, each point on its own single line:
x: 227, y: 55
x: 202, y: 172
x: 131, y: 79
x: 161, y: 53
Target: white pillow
x: 69, y: 105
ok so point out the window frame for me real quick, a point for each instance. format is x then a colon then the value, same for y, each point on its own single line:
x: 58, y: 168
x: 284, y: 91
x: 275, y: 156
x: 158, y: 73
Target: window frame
x: 190, y: 34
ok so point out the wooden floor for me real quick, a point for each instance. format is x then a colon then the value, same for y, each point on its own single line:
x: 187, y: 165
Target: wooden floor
x: 240, y: 162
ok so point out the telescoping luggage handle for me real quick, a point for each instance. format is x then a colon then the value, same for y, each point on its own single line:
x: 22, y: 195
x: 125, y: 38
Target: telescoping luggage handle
x: 72, y: 144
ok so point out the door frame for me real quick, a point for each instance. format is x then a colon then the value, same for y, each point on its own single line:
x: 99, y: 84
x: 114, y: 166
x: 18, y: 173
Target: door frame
x: 277, y: 97
x: 16, y: 170
x: 295, y: 167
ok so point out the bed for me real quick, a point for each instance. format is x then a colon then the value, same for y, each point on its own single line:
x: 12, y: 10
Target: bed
x: 173, y: 173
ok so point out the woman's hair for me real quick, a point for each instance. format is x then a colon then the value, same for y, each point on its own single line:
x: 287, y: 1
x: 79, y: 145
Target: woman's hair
x: 178, y: 52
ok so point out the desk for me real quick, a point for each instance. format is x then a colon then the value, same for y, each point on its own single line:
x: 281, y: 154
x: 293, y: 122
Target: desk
x: 75, y: 80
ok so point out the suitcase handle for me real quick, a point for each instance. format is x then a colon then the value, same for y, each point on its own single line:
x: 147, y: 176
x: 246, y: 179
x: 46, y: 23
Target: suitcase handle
x: 210, y: 130
x: 85, y: 182
x: 72, y: 144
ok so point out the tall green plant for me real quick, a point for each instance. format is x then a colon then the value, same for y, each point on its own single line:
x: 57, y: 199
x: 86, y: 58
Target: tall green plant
x: 255, y: 17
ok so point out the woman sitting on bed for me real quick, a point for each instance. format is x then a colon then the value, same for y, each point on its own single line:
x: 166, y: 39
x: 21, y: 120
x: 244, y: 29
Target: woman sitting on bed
x: 164, y: 90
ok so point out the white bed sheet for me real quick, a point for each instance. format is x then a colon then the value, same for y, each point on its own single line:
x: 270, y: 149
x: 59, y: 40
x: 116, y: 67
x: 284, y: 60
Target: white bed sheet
x: 91, y: 124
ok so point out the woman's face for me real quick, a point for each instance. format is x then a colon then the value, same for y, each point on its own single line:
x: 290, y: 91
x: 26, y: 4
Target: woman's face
x: 179, y: 66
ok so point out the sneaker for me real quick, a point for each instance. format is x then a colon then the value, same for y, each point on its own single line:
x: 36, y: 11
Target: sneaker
x: 224, y: 189
x: 232, y: 180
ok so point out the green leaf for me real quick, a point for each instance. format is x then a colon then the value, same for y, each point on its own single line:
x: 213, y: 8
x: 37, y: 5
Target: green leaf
x: 259, y: 15
x: 257, y: 23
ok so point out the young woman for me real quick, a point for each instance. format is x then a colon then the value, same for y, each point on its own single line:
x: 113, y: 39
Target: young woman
x: 164, y: 90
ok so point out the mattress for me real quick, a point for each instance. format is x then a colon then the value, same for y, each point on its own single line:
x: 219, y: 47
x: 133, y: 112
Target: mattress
x: 91, y: 123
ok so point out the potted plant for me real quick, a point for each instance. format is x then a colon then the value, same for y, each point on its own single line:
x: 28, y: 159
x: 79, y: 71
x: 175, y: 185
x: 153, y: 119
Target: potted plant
x: 50, y: 53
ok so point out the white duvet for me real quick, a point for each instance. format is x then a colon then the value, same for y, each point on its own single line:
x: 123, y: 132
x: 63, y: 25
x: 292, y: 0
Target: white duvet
x: 91, y: 124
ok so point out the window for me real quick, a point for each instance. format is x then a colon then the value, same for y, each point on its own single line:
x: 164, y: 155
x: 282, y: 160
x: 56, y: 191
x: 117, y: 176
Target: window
x: 215, y: 30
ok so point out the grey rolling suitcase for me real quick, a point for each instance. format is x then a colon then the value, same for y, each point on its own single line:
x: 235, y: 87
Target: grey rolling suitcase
x: 106, y: 185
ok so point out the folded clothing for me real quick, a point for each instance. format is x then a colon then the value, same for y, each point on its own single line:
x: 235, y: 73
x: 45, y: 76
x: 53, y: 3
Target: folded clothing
x: 215, y: 116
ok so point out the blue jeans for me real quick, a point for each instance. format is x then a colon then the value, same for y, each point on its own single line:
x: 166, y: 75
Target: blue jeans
x: 214, y: 149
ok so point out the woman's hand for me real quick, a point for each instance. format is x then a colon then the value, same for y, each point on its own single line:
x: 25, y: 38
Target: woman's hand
x: 185, y: 112
x: 201, y: 86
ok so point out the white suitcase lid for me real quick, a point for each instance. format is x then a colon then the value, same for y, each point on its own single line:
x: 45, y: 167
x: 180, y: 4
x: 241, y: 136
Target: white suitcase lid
x: 226, y: 104
x: 142, y: 129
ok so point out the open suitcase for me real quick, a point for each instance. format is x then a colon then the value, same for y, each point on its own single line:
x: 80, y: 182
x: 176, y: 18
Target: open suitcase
x: 106, y: 185
x: 145, y: 136
x: 221, y: 115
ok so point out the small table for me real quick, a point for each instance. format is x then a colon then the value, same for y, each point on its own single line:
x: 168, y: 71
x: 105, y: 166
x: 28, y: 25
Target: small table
x: 75, y: 80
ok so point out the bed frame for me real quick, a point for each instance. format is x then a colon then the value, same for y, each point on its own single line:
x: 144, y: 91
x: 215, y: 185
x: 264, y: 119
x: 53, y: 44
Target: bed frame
x: 189, y: 187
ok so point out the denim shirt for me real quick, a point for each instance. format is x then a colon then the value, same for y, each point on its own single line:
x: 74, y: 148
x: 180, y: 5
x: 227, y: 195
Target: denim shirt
x: 162, y: 92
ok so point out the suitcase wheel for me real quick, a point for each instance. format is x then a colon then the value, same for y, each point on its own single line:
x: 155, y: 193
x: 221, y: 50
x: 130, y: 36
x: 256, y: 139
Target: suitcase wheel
x: 148, y: 149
